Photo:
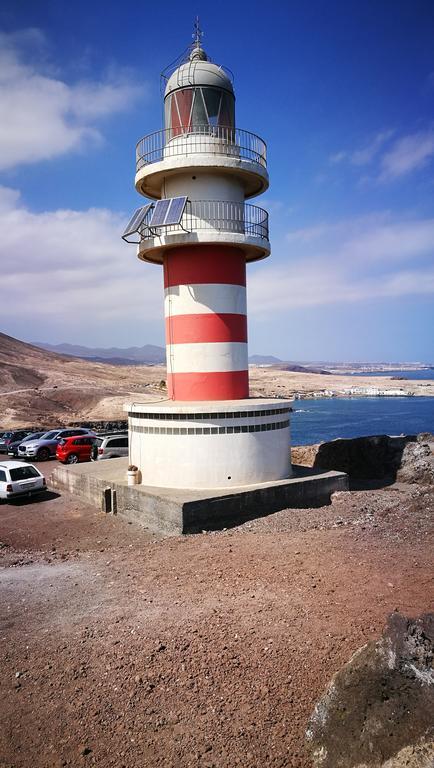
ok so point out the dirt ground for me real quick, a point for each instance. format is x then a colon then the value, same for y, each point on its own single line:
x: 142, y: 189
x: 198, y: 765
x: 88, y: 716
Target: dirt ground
x: 121, y: 649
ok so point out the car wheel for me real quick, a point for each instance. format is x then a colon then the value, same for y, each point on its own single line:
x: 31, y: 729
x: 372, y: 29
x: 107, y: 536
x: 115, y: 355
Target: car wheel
x: 72, y: 459
x: 43, y: 454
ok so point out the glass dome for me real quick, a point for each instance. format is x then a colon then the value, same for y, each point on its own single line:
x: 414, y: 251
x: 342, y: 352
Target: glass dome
x: 199, y: 94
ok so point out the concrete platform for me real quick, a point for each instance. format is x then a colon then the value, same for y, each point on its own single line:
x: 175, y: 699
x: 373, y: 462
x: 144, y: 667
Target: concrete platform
x: 171, y: 512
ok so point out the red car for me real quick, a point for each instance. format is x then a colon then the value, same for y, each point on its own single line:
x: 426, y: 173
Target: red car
x: 71, y: 450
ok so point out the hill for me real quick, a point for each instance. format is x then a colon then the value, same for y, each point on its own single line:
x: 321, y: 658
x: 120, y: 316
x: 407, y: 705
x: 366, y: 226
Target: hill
x: 43, y: 388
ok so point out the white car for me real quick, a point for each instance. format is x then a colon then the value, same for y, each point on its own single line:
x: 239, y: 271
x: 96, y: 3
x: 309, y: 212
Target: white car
x: 17, y: 478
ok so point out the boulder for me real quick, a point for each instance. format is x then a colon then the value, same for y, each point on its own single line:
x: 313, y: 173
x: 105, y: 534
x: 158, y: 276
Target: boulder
x: 378, y: 711
x: 417, y: 464
x: 407, y: 458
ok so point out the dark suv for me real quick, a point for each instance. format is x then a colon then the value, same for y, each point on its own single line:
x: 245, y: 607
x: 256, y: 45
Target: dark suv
x: 11, y: 437
x: 14, y: 445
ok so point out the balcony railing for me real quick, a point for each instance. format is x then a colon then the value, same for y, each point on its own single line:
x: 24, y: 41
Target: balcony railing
x: 193, y: 139
x: 216, y: 216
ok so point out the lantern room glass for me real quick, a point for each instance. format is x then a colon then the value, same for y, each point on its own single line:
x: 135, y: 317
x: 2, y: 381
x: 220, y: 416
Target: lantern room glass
x: 199, y: 108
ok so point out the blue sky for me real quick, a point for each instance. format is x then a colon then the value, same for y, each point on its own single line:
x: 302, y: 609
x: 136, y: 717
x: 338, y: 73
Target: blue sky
x: 343, y: 94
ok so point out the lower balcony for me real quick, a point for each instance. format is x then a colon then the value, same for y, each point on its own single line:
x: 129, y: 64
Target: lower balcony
x: 210, y: 222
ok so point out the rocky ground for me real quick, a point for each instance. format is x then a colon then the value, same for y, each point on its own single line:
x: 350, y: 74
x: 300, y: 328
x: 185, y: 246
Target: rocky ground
x: 121, y: 649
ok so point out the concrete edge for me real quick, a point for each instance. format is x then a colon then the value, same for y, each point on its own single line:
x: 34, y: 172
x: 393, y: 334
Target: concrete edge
x: 169, y: 513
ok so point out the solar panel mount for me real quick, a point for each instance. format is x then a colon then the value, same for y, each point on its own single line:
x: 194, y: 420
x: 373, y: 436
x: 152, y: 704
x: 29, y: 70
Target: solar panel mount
x: 135, y: 222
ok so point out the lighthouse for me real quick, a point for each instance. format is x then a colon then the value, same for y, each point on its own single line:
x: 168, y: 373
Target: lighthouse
x: 199, y: 175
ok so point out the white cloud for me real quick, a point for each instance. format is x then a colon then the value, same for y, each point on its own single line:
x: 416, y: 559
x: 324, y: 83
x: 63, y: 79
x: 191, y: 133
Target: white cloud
x: 43, y: 116
x: 72, y: 268
x: 354, y: 260
x: 408, y: 154
x: 364, y: 155
x: 390, y: 159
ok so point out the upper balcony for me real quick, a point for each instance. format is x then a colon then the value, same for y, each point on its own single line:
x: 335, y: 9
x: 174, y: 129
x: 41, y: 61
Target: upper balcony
x: 208, y: 222
x: 195, y: 147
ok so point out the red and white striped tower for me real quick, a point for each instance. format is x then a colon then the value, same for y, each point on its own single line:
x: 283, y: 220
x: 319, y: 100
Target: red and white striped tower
x: 206, y: 323
x: 209, y: 433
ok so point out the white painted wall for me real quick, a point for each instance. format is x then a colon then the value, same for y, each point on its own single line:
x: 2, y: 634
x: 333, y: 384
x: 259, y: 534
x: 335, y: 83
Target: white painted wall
x: 205, y: 298
x: 211, y: 461
x: 207, y: 357
x: 205, y: 186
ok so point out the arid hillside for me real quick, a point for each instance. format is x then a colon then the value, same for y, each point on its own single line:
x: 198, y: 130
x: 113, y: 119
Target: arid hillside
x: 43, y: 388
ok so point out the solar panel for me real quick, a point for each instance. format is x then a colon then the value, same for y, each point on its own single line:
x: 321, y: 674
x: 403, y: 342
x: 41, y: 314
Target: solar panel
x: 136, y: 220
x: 168, y: 211
x: 159, y: 213
x: 176, y: 209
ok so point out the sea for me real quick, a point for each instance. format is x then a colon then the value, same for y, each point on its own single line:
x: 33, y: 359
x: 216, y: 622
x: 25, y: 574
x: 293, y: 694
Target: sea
x: 426, y: 374
x: 322, y: 419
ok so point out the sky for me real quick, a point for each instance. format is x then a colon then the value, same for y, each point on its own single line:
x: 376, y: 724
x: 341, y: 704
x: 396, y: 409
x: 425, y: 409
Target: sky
x: 341, y: 91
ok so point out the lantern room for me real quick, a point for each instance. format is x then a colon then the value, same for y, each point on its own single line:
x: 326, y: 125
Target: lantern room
x: 199, y: 94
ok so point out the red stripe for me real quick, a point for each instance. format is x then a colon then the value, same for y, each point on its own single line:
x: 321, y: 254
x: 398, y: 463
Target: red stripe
x: 204, y: 264
x: 228, y: 385
x: 184, y: 329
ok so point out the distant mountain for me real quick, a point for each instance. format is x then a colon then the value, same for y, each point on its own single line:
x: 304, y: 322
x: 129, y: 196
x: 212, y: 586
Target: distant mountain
x: 264, y: 360
x: 148, y: 354
x: 282, y: 365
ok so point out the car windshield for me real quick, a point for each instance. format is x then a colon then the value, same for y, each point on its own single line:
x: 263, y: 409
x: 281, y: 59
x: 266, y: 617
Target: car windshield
x: 7, y: 434
x: 23, y: 473
x: 98, y: 441
x: 63, y: 441
x: 49, y: 435
x: 34, y: 436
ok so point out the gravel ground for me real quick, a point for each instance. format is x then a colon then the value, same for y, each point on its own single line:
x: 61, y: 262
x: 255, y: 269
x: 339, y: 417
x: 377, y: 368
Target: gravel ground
x: 121, y: 649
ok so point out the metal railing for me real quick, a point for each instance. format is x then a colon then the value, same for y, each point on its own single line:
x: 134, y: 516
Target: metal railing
x: 193, y: 139
x: 217, y: 215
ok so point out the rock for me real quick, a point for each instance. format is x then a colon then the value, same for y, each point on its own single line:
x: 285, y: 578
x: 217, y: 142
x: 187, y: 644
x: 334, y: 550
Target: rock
x: 408, y: 458
x: 363, y: 458
x: 304, y: 454
x: 378, y: 709
x: 417, y: 464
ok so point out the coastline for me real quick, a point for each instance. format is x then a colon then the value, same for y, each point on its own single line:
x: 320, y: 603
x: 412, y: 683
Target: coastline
x: 272, y: 382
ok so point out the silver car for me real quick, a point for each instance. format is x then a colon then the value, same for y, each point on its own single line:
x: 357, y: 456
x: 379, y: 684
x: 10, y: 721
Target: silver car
x: 110, y: 447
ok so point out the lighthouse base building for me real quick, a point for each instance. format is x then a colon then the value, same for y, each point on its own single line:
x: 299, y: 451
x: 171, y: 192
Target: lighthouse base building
x: 201, y: 445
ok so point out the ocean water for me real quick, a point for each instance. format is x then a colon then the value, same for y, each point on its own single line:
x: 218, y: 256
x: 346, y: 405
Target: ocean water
x: 323, y: 419
x: 426, y: 374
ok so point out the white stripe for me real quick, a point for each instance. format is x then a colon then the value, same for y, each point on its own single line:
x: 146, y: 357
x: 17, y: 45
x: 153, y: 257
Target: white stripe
x: 205, y: 298
x: 208, y: 357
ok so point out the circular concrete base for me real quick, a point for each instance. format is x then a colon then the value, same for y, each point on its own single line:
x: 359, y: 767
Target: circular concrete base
x: 210, y: 444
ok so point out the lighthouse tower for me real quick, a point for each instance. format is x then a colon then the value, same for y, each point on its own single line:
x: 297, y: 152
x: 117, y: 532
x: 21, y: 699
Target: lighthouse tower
x: 197, y: 174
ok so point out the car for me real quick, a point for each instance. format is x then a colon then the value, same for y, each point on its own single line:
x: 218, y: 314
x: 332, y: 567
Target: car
x: 11, y: 437
x: 45, y: 447
x: 17, y: 478
x: 12, y: 448
x: 71, y: 450
x: 110, y: 446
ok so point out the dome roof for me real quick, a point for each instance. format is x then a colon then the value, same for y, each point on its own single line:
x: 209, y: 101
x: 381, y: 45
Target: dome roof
x: 198, y: 71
